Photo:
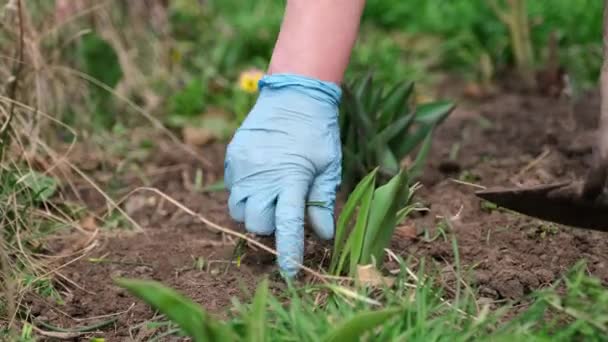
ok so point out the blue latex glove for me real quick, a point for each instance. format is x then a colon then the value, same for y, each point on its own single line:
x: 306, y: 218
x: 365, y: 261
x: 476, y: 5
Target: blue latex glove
x: 286, y: 153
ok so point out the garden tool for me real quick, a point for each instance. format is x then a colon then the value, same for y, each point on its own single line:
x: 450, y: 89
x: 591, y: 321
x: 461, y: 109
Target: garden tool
x: 582, y: 204
x: 564, y: 203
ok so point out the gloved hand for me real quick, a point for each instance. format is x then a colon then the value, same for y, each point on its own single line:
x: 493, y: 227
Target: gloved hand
x: 286, y: 154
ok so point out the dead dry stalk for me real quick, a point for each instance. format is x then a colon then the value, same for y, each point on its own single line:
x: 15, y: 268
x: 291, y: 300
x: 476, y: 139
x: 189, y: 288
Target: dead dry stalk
x: 515, y: 16
x: 13, y: 85
x: 8, y: 282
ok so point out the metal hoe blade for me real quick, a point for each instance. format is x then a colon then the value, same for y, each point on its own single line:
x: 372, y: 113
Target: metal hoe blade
x: 541, y: 202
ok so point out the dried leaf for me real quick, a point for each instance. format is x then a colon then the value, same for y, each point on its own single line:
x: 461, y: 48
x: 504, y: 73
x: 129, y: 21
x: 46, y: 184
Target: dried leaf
x: 88, y: 223
x: 368, y: 275
x: 134, y: 204
x: 407, y: 232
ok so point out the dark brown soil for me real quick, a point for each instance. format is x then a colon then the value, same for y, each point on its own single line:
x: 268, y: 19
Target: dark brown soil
x: 506, y: 140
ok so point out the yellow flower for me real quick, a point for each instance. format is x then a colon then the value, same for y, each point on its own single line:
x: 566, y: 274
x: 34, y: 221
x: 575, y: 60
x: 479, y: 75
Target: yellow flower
x: 248, y: 80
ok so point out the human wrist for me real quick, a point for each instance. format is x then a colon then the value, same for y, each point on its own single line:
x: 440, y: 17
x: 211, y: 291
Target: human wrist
x: 326, y: 92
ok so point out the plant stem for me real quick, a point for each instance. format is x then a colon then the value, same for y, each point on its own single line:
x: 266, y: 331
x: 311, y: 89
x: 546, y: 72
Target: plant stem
x: 515, y: 17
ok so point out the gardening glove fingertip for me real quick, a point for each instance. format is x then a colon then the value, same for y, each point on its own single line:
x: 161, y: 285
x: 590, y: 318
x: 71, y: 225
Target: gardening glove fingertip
x: 290, y: 228
x: 321, y: 199
x: 322, y: 221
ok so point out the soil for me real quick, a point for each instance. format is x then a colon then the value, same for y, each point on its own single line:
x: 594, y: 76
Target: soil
x: 506, y: 140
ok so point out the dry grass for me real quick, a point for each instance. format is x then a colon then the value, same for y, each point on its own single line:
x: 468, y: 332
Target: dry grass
x: 41, y: 83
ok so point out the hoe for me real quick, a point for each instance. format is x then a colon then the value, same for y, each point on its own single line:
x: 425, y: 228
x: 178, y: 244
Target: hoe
x: 581, y: 203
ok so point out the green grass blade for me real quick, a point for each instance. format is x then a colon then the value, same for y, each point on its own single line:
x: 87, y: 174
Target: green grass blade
x: 355, y: 327
x: 215, y: 187
x: 256, y: 320
x: 358, y: 233
x: 189, y: 316
x: 404, y: 212
x: 343, y: 255
x: 347, y: 212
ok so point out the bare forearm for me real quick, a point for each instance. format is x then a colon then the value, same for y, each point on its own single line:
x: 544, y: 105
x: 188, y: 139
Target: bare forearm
x: 316, y: 38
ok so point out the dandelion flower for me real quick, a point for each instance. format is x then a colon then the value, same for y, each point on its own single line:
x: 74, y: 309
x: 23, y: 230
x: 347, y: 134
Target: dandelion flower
x: 248, y: 80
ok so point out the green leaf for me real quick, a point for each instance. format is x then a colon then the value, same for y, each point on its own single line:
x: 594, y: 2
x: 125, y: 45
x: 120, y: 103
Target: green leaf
x: 407, y: 145
x: 389, y: 162
x: 343, y: 255
x: 362, y: 86
x: 349, y: 208
x: 42, y: 186
x: 396, y: 101
x: 355, y: 327
x: 99, y: 59
x: 215, y: 187
x: 188, y: 102
x: 388, y: 200
x: 189, y: 316
x: 360, y: 116
x: 256, y: 320
x: 416, y: 168
x: 433, y: 113
x: 358, y: 233
x: 396, y: 128
x: 428, y: 116
x: 374, y: 99
x: 353, y: 166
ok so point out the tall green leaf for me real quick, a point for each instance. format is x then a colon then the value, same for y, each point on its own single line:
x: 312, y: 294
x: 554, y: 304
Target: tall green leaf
x: 433, y: 113
x: 395, y: 104
x: 389, y: 223
x: 388, y: 162
x: 407, y: 145
x: 362, y: 87
x: 358, y: 233
x: 355, y: 327
x: 416, y: 168
x: 189, y: 316
x: 256, y: 320
x: 393, y: 130
x: 349, y: 208
x: 373, y: 101
x: 427, y: 116
x: 388, y: 200
x: 359, y: 115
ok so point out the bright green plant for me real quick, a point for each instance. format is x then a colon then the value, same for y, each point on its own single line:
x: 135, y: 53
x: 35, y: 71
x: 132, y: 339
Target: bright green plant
x: 189, y: 316
x: 406, y: 312
x: 189, y: 101
x: 99, y: 60
x: 381, y: 128
x: 379, y: 211
x: 252, y: 323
